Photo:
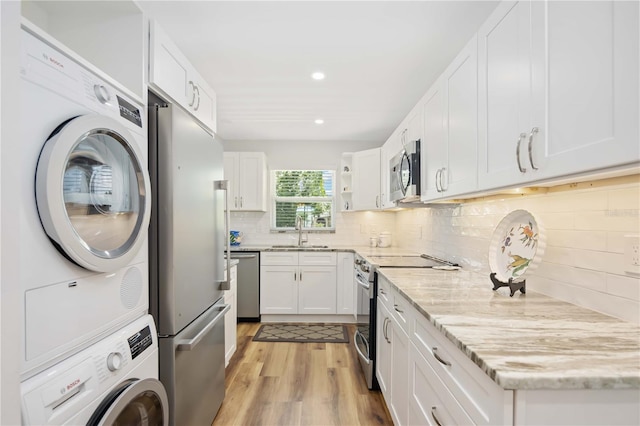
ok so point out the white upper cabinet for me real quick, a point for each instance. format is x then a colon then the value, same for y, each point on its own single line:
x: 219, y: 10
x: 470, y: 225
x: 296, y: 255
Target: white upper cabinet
x: 504, y: 75
x: 585, y: 85
x: 247, y: 176
x: 366, y: 179
x: 449, y: 151
x: 558, y: 84
x: 434, y: 152
x: 173, y: 75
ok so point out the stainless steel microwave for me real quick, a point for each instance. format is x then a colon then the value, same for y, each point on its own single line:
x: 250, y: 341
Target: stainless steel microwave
x: 404, y: 174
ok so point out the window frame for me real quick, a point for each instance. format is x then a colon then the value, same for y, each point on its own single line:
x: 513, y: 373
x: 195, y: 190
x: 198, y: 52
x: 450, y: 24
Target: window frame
x: 273, y: 199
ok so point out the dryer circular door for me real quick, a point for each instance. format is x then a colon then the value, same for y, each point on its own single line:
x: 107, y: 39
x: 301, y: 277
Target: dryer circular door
x: 93, y: 192
x: 133, y: 402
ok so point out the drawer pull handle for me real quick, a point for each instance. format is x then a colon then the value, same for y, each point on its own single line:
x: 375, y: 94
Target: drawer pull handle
x: 382, y: 291
x: 398, y: 310
x: 442, y: 361
x: 522, y: 169
x: 435, y: 418
x: 533, y: 132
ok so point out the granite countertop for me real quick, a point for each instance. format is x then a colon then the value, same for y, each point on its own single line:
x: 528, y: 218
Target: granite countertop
x: 527, y: 341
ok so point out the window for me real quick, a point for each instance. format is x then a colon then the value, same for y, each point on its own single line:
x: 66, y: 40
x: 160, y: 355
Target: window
x: 302, y: 193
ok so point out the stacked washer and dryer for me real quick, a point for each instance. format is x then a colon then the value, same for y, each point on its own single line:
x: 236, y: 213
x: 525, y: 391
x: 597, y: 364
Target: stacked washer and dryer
x: 90, y: 350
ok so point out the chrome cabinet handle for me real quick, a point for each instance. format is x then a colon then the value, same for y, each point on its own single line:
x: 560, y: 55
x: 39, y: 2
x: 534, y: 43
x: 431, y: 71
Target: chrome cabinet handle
x: 235, y: 202
x: 398, y: 310
x: 377, y: 201
x: 442, y: 172
x: 384, y: 330
x: 241, y: 202
x: 300, y: 275
x: 437, y: 177
x: 522, y: 169
x: 534, y: 131
x: 295, y: 276
x: 442, y: 361
x: 193, y: 91
x: 198, y: 94
x: 435, y: 418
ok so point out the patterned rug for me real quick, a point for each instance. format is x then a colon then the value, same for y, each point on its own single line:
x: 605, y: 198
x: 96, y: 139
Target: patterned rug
x: 304, y: 333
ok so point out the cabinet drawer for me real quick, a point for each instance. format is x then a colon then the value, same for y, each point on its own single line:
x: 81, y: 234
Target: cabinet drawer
x: 384, y: 292
x: 328, y: 258
x: 430, y: 402
x: 401, y: 310
x: 482, y: 399
x: 275, y: 258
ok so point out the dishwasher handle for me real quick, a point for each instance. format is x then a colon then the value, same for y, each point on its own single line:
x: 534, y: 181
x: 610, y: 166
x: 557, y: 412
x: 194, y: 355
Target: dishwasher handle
x: 190, y: 344
x: 243, y: 256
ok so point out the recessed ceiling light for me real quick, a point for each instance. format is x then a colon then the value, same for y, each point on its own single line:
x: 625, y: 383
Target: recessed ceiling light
x: 319, y: 121
x: 317, y: 75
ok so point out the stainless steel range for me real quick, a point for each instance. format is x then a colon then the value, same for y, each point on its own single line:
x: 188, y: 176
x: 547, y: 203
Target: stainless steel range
x: 366, y: 278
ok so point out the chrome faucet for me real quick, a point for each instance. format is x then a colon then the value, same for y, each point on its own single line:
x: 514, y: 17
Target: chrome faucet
x: 298, y: 228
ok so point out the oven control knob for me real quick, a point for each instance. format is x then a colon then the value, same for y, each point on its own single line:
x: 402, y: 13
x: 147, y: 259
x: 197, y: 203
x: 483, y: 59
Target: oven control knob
x: 101, y: 93
x: 114, y: 361
x: 358, y: 261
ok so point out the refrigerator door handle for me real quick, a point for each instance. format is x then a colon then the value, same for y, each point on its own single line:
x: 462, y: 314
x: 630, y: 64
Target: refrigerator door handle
x: 187, y: 345
x: 223, y: 185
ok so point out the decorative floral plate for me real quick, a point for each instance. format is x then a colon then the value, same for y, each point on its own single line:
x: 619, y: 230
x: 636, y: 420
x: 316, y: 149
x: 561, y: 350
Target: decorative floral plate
x: 517, y: 246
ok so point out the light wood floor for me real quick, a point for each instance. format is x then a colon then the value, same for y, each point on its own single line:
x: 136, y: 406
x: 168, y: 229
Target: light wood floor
x: 297, y: 384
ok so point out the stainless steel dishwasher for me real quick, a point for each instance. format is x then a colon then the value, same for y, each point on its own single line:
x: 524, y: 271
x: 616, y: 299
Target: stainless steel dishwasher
x: 248, y: 285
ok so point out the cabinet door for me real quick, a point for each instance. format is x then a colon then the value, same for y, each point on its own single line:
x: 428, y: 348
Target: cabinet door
x: 231, y: 173
x: 399, y: 406
x: 461, y: 100
x: 390, y: 148
x: 279, y: 289
x: 585, y: 82
x: 252, y: 182
x: 317, y: 290
x: 204, y: 106
x: 345, y: 284
x: 434, y: 151
x: 366, y: 179
x: 429, y: 400
x: 383, y: 350
x: 504, y: 64
x: 168, y: 67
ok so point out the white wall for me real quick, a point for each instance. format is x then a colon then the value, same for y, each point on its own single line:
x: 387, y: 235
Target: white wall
x: 353, y: 228
x: 583, y: 262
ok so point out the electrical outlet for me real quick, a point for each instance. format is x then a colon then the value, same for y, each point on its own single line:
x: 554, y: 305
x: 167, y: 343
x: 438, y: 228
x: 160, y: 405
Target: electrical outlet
x: 632, y: 254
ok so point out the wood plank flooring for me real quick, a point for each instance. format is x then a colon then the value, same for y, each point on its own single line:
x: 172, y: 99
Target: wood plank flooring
x: 297, y: 384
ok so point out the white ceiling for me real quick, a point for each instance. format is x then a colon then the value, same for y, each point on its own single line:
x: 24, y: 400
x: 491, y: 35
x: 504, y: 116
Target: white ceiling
x: 379, y: 58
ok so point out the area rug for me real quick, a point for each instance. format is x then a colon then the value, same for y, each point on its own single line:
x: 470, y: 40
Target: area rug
x: 303, y: 333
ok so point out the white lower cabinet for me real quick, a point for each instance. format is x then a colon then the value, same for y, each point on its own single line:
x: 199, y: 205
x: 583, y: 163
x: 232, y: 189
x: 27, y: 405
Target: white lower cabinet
x: 298, y: 282
x: 392, y: 369
x: 231, y: 317
x: 345, y: 290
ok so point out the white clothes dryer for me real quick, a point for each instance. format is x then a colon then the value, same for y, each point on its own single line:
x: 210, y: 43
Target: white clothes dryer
x: 86, y: 204
x: 115, y: 381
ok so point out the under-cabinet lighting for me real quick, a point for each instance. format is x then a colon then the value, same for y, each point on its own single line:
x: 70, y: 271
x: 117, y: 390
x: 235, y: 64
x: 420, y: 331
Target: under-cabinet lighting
x: 319, y: 121
x: 317, y: 75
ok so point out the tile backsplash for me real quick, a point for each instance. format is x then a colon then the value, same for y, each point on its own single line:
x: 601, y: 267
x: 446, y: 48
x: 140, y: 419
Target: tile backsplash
x: 584, y: 259
x: 583, y: 262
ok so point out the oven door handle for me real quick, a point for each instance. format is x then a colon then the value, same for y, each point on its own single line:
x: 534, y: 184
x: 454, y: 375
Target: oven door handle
x: 361, y: 283
x: 357, y: 335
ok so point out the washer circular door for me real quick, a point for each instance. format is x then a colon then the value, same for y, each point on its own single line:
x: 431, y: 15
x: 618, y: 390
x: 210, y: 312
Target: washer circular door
x: 92, y: 192
x: 133, y: 402
x: 405, y: 173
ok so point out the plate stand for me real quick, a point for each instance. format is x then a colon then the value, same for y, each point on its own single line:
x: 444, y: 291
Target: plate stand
x: 512, y: 286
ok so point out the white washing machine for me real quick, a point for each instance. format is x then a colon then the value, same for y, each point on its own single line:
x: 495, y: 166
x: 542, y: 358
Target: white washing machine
x: 115, y: 381
x: 86, y: 204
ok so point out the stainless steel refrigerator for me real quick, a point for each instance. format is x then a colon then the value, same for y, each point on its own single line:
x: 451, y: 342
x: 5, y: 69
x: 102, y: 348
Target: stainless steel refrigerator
x: 188, y: 237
